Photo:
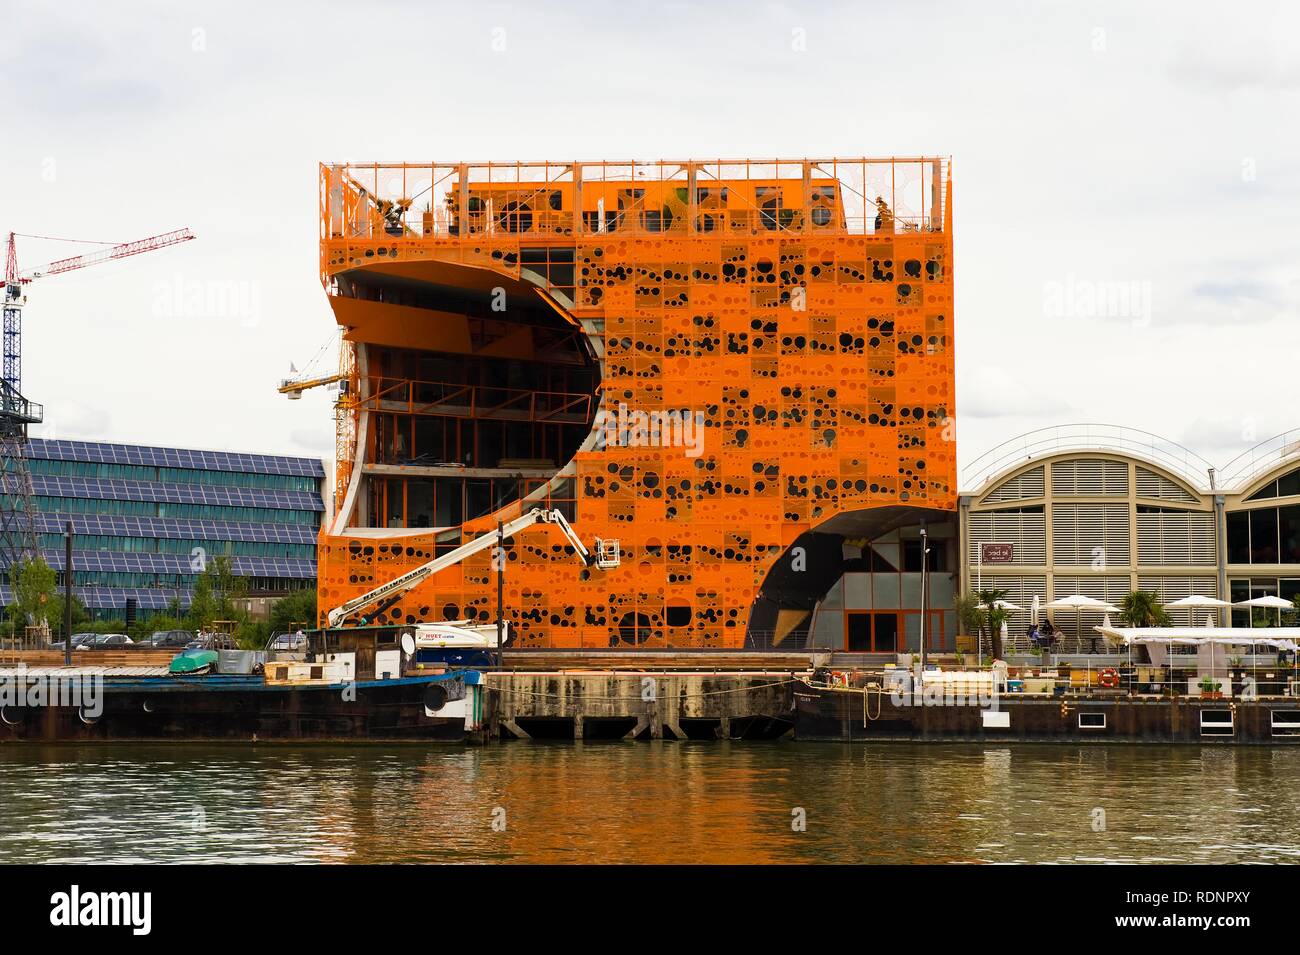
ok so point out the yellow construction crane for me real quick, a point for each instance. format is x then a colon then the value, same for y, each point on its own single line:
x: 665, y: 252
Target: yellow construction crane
x: 294, y: 387
x: 345, y: 404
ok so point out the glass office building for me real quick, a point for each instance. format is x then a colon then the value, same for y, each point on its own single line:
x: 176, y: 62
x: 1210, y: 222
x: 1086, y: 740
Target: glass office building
x: 147, y: 520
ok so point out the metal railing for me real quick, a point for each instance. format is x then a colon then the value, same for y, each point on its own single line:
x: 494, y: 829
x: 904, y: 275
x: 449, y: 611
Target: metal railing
x: 16, y: 410
x: 1085, y: 437
x: 394, y: 201
x: 1245, y: 468
x: 411, y: 396
x: 1069, y: 681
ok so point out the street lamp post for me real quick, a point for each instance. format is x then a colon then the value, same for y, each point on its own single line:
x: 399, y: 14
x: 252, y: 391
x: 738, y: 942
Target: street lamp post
x: 67, y: 596
x: 501, y: 590
x: 925, y: 574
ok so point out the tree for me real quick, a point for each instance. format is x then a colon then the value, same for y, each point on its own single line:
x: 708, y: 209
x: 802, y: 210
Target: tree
x: 1141, y: 608
x: 203, y: 607
x: 993, y: 617
x: 55, y: 613
x: 294, y: 610
x: 215, y: 591
x: 32, y: 582
x: 252, y: 634
x: 969, y: 616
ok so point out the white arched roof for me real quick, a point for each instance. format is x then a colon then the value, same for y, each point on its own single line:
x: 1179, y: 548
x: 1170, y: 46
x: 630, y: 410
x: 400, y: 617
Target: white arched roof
x: 1164, y: 456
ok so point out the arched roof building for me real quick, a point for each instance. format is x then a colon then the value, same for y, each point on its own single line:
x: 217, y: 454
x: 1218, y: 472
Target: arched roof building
x: 1102, y: 510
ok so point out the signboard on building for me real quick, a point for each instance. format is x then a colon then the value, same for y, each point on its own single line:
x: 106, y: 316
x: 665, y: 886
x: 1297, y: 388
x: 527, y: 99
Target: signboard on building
x: 997, y: 553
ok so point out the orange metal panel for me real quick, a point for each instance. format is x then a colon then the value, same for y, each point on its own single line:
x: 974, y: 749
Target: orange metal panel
x: 813, y: 344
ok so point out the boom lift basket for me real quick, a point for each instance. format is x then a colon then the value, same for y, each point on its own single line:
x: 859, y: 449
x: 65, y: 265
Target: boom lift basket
x: 607, y: 555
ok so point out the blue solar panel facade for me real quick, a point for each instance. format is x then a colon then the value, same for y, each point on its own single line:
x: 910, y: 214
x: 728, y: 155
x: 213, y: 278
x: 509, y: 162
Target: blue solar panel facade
x: 146, y: 520
x: 93, y: 451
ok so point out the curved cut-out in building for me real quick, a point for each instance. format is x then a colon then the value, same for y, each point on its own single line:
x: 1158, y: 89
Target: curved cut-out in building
x: 742, y: 371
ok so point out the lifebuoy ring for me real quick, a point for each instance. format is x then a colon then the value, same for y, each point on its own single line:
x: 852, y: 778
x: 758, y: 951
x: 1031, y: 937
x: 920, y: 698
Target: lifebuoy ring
x: 1108, y: 678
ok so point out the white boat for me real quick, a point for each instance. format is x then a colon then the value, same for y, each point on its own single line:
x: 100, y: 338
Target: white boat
x: 457, y: 634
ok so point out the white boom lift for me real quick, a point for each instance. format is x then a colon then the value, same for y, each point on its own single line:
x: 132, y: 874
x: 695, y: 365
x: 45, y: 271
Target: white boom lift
x: 606, y: 557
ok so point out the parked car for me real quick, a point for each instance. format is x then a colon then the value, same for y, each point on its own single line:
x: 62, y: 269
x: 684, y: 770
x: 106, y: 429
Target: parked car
x: 110, y: 641
x: 79, y: 641
x: 211, y: 641
x: 168, y: 639
x: 292, y: 642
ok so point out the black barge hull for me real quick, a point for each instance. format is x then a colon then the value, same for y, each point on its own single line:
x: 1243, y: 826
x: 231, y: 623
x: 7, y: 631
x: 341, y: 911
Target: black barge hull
x: 852, y: 715
x: 232, y: 708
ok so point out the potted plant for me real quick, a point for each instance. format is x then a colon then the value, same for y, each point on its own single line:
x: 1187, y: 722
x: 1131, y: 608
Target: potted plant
x: 970, y: 620
x: 1210, y: 688
x: 1234, y: 666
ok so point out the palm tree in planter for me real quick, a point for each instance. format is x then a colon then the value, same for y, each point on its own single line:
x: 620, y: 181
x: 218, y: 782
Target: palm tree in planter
x: 993, y: 616
x: 1141, y: 608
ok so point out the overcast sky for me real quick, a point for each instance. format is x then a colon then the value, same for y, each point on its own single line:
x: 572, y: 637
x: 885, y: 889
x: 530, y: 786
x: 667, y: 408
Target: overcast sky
x: 1096, y: 148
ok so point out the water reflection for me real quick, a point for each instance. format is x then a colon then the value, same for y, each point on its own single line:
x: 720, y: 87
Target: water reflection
x: 651, y: 802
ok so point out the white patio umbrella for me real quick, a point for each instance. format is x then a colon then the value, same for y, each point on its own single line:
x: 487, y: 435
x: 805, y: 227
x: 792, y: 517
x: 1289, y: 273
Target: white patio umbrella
x: 1079, y: 603
x: 1000, y: 604
x: 1197, y: 602
x: 1033, y: 611
x: 1270, y: 602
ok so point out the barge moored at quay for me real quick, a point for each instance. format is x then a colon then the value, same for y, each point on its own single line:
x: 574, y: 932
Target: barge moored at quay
x: 870, y: 714
x: 393, y: 684
x: 362, y: 684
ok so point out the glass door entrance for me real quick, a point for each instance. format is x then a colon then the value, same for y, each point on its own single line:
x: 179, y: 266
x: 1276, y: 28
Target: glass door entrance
x: 893, y: 631
x: 872, y: 631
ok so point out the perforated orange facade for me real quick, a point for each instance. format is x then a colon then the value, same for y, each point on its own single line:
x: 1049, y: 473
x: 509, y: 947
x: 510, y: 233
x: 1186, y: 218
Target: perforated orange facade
x: 740, y: 352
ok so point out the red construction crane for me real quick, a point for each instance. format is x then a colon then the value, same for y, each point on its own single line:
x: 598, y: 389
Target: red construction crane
x: 14, y: 280
x: 121, y: 251
x: 17, y: 522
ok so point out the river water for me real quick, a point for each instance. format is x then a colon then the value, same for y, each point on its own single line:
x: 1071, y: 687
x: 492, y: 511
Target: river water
x: 649, y: 802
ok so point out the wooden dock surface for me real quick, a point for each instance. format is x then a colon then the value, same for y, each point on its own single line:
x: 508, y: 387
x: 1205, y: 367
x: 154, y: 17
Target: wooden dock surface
x: 89, y: 658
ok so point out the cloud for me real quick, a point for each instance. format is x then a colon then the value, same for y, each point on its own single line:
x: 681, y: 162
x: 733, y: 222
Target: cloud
x: 73, y: 420
x: 319, y: 441
x: 1237, y: 291
x: 991, y: 392
x: 1147, y: 179
x: 1235, y: 71
x: 1240, y: 298
x: 69, y: 68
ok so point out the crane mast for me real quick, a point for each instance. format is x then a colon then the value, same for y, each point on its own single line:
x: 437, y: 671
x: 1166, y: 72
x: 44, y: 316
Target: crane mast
x: 17, y: 497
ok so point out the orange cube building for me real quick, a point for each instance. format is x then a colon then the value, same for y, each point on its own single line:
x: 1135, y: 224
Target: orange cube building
x: 740, y: 370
